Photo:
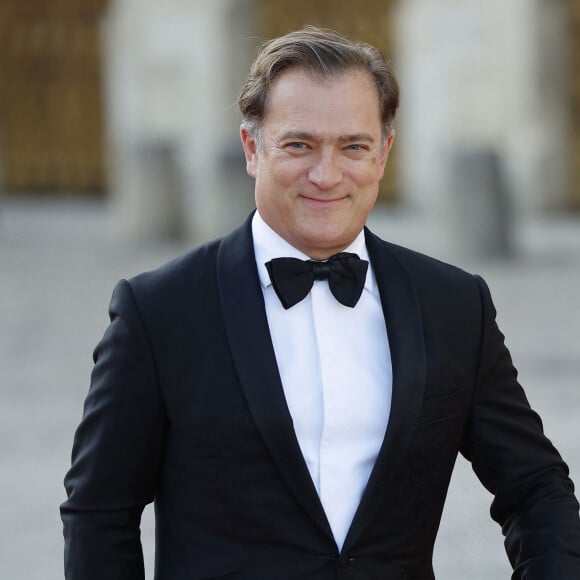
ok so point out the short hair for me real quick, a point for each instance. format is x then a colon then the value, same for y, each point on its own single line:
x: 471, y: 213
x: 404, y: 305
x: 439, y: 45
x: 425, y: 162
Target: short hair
x: 324, y: 54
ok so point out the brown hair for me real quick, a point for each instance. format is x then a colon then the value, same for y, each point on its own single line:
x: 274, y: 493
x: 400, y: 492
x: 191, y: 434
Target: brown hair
x: 324, y: 53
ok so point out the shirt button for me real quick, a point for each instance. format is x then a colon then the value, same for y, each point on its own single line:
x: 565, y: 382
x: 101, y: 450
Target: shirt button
x: 345, y: 560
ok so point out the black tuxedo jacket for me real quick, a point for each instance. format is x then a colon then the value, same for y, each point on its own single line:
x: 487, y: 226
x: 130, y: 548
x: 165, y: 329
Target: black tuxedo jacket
x: 186, y: 408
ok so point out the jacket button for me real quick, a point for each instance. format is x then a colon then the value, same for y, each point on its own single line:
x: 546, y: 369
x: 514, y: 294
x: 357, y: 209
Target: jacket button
x: 345, y: 560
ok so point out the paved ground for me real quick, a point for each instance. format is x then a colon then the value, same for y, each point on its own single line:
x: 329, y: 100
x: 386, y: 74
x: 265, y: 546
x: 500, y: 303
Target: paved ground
x: 57, y: 269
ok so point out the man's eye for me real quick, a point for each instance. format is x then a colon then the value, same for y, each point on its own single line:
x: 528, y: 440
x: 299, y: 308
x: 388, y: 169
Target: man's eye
x: 355, y: 147
x: 297, y: 145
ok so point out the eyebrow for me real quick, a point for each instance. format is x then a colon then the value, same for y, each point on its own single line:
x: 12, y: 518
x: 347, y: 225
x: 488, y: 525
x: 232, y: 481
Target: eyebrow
x: 357, y: 137
x: 306, y: 136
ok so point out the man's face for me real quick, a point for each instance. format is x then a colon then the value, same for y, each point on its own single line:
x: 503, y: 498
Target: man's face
x: 318, y: 170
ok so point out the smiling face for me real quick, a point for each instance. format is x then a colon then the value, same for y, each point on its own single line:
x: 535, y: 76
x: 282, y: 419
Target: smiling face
x: 321, y: 159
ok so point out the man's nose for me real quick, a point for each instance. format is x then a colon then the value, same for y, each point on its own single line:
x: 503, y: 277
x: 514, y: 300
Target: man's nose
x: 326, y: 173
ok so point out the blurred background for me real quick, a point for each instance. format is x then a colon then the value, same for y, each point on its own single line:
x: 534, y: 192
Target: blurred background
x: 119, y: 148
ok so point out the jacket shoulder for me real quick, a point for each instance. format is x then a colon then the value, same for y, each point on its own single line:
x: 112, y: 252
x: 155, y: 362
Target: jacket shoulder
x: 184, y: 271
x: 445, y: 292
x: 417, y: 264
x: 192, y: 273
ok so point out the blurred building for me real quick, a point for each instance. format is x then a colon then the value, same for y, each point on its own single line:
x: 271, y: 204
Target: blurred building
x: 51, y: 112
x: 135, y: 99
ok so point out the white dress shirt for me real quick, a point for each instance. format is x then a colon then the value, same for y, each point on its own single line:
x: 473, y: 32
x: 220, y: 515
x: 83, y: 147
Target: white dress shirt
x: 335, y: 366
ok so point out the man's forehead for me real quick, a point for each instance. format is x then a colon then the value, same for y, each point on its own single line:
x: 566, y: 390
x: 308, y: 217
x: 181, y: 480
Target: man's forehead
x: 297, y: 75
x: 299, y: 92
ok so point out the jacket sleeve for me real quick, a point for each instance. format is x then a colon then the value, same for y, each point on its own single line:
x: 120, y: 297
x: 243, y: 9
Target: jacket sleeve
x: 116, y: 452
x: 534, y: 498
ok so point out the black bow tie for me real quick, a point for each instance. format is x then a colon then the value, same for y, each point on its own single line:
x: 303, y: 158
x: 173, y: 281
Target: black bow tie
x: 292, y: 279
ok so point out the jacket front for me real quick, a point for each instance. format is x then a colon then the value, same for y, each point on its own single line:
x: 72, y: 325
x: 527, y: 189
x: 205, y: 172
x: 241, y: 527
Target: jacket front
x: 186, y: 409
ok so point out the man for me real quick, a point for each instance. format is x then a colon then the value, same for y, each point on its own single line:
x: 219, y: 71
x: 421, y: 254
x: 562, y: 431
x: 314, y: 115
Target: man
x: 297, y: 419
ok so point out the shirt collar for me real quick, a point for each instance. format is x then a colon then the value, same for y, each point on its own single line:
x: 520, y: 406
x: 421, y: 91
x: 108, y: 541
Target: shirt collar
x: 268, y: 245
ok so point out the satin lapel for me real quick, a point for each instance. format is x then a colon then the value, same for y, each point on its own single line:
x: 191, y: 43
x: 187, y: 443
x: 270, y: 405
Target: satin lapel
x: 406, y: 341
x: 251, y: 345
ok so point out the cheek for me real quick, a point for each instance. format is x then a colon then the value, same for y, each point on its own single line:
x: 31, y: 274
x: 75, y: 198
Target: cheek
x: 367, y: 176
x: 288, y: 174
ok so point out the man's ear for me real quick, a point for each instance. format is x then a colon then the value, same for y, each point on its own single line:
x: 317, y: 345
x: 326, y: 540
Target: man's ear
x: 385, y: 153
x: 250, y: 151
